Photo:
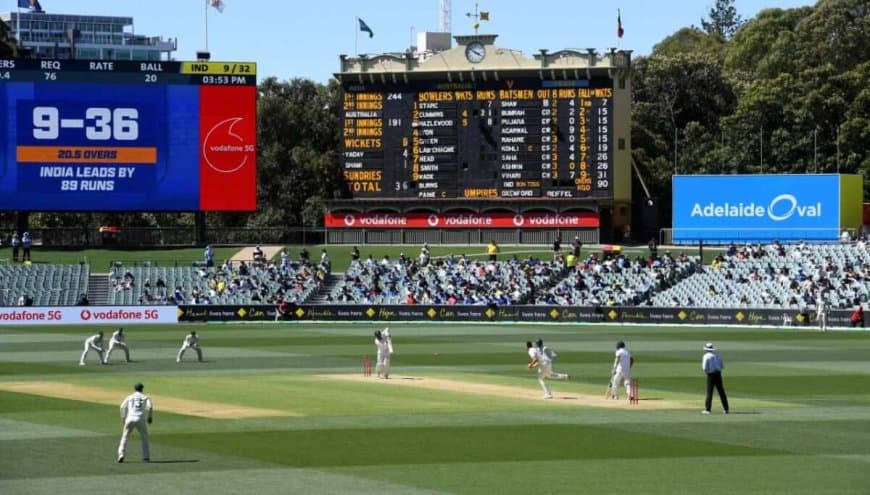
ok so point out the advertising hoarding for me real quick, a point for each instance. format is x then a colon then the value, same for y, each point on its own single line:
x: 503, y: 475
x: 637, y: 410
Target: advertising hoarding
x: 762, y: 208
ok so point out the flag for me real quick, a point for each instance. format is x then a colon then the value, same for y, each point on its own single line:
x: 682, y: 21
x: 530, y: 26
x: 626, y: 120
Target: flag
x: 365, y: 28
x: 484, y: 16
x: 619, y: 30
x: 219, y: 5
x: 30, y: 4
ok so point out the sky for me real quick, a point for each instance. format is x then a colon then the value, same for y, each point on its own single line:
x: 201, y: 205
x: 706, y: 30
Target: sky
x: 303, y: 38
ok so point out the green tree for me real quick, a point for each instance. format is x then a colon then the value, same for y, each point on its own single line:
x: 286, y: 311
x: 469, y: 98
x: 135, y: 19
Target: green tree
x: 722, y: 19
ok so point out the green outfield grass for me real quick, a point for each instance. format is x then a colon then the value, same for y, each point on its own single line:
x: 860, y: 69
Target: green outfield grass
x: 800, y: 421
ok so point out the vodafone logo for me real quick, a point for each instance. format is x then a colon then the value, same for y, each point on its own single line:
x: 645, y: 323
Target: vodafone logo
x: 433, y: 220
x: 349, y: 220
x: 85, y: 315
x: 519, y: 220
x: 223, y: 149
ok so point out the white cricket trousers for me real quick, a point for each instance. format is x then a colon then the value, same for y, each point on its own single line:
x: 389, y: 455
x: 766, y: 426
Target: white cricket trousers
x: 823, y: 322
x: 142, y: 426
x: 545, y: 372
x: 112, y: 346
x: 186, y: 347
x: 382, y: 367
x: 87, y: 349
x: 625, y: 378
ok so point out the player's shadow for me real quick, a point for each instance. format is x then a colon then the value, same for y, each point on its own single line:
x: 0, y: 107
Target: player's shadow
x: 174, y: 461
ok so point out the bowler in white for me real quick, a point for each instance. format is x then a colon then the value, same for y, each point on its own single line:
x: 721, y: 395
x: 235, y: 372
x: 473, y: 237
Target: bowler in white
x: 117, y: 340
x: 540, y: 360
x: 191, y: 341
x: 136, y: 410
x: 621, y: 370
x: 94, y: 342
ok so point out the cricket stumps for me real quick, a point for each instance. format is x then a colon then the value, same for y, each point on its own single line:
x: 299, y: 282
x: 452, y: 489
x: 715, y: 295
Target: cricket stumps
x: 632, y: 396
x: 367, y: 365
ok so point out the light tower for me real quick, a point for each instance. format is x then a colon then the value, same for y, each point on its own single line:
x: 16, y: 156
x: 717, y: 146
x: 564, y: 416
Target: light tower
x: 444, y: 17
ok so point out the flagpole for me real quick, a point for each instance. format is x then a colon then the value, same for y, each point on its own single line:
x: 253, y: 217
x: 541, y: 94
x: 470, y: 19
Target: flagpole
x: 356, y: 36
x: 18, y: 25
x: 206, y: 25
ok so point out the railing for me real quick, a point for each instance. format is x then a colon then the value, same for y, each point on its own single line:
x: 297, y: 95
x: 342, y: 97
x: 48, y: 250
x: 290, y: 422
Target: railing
x: 148, y: 237
x: 157, y: 237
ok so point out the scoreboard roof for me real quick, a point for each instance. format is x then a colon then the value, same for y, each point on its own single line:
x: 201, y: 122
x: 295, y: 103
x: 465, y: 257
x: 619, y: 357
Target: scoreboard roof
x: 570, y: 63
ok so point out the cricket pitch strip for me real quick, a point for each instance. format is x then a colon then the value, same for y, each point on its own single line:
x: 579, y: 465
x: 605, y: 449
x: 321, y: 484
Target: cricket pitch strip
x: 561, y: 398
x: 186, y: 407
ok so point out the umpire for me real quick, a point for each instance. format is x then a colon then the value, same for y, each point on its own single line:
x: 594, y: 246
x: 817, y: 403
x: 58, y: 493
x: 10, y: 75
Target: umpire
x: 712, y: 365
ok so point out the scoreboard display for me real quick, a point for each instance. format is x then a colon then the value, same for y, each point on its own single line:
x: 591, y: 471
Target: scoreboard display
x: 78, y: 135
x: 508, y: 139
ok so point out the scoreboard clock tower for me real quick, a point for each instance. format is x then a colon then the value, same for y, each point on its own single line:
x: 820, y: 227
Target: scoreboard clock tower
x: 481, y: 142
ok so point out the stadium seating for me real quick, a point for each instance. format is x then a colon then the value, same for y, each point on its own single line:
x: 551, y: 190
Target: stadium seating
x: 230, y: 284
x: 446, y: 281
x: 616, y: 282
x: 777, y: 277
x: 48, y: 285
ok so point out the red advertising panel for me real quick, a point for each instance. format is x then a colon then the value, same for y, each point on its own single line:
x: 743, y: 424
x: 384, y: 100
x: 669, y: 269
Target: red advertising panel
x: 502, y: 220
x: 228, y: 154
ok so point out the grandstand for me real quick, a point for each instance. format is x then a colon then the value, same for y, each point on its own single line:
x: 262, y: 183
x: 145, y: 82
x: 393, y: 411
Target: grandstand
x: 777, y: 276
x: 447, y: 281
x: 753, y: 277
x: 46, y: 285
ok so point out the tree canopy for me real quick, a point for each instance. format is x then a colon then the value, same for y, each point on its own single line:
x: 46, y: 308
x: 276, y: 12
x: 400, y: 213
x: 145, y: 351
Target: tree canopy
x: 787, y: 91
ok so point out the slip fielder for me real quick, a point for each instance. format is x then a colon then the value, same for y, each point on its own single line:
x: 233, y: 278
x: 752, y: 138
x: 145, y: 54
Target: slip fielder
x: 191, y: 341
x: 94, y: 342
x: 117, y: 340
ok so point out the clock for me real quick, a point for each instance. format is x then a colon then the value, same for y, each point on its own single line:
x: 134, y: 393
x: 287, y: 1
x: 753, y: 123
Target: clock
x: 475, y: 52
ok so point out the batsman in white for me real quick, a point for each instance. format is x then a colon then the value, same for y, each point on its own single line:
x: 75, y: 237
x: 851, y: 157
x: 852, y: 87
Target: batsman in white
x: 385, y: 348
x: 135, y: 411
x: 191, y: 341
x: 94, y: 342
x: 621, y: 371
x: 118, y: 339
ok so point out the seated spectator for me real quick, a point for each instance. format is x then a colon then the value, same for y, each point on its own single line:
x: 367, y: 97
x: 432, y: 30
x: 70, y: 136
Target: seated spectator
x: 82, y: 300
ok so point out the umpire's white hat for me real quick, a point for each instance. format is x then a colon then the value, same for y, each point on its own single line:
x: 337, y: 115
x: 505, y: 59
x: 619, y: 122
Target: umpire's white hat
x: 709, y: 347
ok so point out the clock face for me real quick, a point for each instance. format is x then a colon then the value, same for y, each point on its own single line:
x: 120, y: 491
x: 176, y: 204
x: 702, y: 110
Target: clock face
x: 475, y: 52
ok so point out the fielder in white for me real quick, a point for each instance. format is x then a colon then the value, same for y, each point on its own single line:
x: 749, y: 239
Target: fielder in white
x: 191, y: 341
x: 117, y: 340
x: 384, y: 343
x: 621, y: 371
x: 822, y: 313
x: 135, y: 411
x: 94, y: 342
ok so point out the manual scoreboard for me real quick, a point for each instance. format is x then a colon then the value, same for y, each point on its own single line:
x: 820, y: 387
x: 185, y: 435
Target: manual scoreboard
x: 507, y: 139
x: 87, y: 135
